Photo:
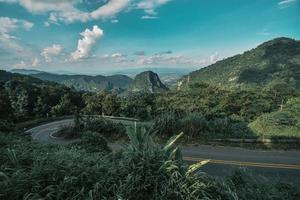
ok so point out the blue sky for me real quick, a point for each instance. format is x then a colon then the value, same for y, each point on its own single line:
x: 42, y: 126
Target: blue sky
x: 96, y: 36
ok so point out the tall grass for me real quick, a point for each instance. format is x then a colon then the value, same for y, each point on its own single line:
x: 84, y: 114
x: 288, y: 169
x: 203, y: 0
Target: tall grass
x: 143, y: 170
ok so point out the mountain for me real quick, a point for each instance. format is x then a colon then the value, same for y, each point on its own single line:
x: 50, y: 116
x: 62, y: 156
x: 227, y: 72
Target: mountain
x: 26, y: 71
x: 147, y: 81
x: 85, y: 82
x: 168, y: 75
x: 7, y: 76
x: 274, y: 61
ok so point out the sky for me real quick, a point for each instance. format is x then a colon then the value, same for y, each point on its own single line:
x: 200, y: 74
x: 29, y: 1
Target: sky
x: 97, y: 36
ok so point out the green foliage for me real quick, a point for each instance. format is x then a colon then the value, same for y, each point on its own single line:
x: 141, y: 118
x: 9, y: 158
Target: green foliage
x: 64, y: 107
x: 283, y: 123
x: 102, y: 103
x: 196, y: 125
x: 143, y: 170
x: 92, y: 142
x: 166, y: 125
x: 245, y: 185
x: 23, y: 98
x: 139, y: 105
x: 5, y: 106
x: 105, y: 127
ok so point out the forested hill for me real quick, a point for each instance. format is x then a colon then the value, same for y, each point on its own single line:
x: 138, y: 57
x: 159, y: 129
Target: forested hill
x: 87, y: 83
x: 275, y: 61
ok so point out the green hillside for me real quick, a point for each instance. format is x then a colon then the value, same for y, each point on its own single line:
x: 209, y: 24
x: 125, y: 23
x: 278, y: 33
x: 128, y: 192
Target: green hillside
x: 275, y: 61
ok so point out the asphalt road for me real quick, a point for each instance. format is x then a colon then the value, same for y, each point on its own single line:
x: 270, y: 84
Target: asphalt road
x: 273, y: 164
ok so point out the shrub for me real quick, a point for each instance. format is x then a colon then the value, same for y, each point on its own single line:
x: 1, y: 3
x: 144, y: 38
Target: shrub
x: 105, y: 127
x: 93, y: 142
x: 166, y: 125
x: 194, y: 125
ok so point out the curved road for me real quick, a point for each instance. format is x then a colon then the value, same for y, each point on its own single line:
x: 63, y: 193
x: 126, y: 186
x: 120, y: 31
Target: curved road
x: 284, y: 165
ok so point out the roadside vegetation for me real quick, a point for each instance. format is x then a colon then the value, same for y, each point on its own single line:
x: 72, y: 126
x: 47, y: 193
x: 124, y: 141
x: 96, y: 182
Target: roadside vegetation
x: 142, y: 170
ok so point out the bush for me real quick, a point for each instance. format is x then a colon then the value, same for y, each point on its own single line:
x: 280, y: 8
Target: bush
x: 93, y: 142
x: 249, y: 187
x: 194, y: 125
x: 105, y: 127
x: 166, y: 125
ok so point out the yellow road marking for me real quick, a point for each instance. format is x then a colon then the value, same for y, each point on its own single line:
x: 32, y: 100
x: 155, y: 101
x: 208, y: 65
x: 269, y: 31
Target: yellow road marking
x: 247, y: 164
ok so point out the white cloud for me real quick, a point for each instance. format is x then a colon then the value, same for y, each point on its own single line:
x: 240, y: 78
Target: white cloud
x: 149, y: 6
x: 114, y: 21
x: 11, y: 24
x: 66, y: 10
x: 286, y: 3
x: 53, y: 50
x: 35, y: 62
x: 11, y: 45
x: 214, y: 57
x: 111, y: 8
x: 8, y: 1
x: 23, y: 64
x: 167, y: 59
x: 115, y: 57
x: 85, y: 44
x: 149, y: 17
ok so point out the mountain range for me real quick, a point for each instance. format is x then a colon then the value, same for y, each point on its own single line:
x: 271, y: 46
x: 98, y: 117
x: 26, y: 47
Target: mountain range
x: 145, y: 81
x: 275, y: 61
x: 82, y: 82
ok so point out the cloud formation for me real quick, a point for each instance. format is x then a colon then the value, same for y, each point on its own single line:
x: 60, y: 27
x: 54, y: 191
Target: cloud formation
x: 149, y: 6
x: 67, y: 10
x: 23, y: 64
x: 149, y: 17
x: 286, y: 3
x: 50, y: 51
x: 8, y: 25
x: 12, y: 45
x: 85, y: 44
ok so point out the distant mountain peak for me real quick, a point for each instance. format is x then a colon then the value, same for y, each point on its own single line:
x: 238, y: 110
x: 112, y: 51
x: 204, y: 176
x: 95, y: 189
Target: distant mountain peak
x: 280, y: 40
x: 147, y: 81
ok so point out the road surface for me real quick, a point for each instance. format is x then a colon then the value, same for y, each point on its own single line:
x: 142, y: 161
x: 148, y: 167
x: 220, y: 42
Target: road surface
x: 274, y: 164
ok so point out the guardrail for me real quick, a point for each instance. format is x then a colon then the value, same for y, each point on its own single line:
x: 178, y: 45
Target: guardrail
x: 113, y: 117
